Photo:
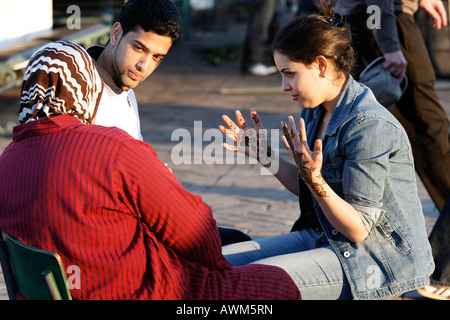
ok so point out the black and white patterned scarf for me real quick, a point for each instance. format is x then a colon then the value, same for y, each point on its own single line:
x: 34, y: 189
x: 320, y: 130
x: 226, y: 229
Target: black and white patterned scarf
x: 60, y: 78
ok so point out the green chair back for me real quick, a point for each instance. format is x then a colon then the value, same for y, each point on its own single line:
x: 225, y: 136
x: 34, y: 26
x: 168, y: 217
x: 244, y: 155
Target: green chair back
x: 37, y: 274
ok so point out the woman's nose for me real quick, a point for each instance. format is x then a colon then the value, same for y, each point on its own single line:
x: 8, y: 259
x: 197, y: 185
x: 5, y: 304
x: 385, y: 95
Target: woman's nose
x: 286, y: 86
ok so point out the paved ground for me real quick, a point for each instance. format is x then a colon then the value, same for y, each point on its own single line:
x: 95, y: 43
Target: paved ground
x: 186, y: 92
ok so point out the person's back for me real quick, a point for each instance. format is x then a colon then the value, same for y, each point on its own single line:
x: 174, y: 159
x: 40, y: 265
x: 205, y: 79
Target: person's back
x: 106, y: 204
x: 51, y: 200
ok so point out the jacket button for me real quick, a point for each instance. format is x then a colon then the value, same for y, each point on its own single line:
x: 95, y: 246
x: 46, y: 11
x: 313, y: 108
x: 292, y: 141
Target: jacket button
x: 334, y: 232
x: 346, y: 254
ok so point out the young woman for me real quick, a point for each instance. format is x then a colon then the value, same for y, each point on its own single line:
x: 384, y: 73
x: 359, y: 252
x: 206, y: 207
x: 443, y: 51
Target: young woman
x: 361, y: 232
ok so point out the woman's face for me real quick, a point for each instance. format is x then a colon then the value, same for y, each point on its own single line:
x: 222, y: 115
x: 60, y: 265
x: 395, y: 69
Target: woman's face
x: 301, y: 81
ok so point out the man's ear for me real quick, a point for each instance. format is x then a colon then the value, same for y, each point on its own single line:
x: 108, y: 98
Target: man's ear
x: 116, y: 34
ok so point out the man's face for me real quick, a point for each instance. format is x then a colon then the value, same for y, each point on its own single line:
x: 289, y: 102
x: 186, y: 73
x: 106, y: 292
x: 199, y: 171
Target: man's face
x: 136, y: 55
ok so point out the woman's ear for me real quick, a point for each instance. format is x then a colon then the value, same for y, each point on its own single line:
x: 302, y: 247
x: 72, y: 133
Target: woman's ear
x: 116, y: 34
x: 322, y: 65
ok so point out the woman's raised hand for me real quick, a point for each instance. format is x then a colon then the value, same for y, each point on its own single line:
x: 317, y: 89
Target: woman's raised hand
x: 309, y: 163
x: 249, y: 141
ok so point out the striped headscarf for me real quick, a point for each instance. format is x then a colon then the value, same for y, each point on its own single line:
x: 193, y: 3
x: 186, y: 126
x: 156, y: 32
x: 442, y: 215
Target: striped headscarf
x: 60, y: 78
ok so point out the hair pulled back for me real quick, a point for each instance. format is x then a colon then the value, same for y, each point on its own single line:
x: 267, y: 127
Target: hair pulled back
x: 307, y: 37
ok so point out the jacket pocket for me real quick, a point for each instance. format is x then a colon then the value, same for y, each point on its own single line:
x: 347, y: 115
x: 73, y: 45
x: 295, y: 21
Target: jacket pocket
x: 389, y: 231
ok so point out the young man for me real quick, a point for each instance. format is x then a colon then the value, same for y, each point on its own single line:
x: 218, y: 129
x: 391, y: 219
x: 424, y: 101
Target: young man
x: 140, y: 38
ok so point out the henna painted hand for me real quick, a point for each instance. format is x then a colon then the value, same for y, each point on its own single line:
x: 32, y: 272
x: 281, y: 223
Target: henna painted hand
x: 309, y: 163
x: 249, y: 141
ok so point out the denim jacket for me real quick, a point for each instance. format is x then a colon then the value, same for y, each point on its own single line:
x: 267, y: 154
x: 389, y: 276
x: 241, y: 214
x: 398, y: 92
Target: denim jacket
x: 367, y: 160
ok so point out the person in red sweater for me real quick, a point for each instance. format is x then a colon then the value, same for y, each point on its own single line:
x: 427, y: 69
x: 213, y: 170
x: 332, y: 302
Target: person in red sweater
x: 104, y: 202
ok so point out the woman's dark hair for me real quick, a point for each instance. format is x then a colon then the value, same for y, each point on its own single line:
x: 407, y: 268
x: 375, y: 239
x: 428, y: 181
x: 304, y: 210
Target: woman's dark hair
x: 159, y: 16
x: 307, y: 37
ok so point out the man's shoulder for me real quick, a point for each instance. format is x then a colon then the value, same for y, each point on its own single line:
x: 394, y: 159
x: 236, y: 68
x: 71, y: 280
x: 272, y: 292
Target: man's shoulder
x: 95, y: 51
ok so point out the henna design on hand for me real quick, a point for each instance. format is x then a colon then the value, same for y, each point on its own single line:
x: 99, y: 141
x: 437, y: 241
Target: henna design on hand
x: 258, y: 145
x: 305, y: 172
x: 288, y: 133
x: 318, y: 149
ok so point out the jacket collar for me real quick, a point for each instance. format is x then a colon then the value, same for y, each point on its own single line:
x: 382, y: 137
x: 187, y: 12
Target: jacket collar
x: 343, y: 107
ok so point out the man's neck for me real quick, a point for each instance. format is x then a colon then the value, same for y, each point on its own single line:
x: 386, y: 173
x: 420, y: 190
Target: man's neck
x: 104, y: 66
x: 104, y: 62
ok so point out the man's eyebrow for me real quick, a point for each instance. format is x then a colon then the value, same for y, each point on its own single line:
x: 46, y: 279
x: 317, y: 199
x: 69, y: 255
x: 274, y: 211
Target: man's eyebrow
x: 141, y: 44
x: 284, y: 69
x: 146, y: 49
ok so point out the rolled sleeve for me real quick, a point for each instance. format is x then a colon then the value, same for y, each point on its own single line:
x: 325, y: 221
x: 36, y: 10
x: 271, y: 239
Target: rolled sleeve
x: 369, y: 215
x: 369, y: 147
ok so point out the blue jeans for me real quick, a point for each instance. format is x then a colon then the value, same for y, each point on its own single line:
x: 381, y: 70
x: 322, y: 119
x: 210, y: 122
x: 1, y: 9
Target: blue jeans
x: 305, y: 255
x: 266, y: 17
x: 440, y: 242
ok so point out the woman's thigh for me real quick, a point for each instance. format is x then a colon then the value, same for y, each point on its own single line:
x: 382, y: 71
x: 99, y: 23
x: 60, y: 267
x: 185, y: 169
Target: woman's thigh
x: 317, y: 273
x: 306, y: 256
x: 243, y: 253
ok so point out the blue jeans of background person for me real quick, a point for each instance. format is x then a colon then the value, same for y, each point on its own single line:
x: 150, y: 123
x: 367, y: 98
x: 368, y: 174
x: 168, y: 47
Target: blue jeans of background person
x: 440, y: 243
x: 305, y: 255
x: 306, y: 7
x: 266, y: 18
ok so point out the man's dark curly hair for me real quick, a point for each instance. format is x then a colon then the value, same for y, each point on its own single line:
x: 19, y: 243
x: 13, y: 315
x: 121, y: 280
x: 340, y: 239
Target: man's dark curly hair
x: 159, y: 16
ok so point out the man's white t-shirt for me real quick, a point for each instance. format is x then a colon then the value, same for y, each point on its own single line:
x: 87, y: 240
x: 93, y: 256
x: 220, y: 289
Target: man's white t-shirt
x: 119, y: 110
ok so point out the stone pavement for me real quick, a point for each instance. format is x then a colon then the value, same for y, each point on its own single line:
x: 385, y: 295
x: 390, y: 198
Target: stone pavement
x: 186, y: 92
